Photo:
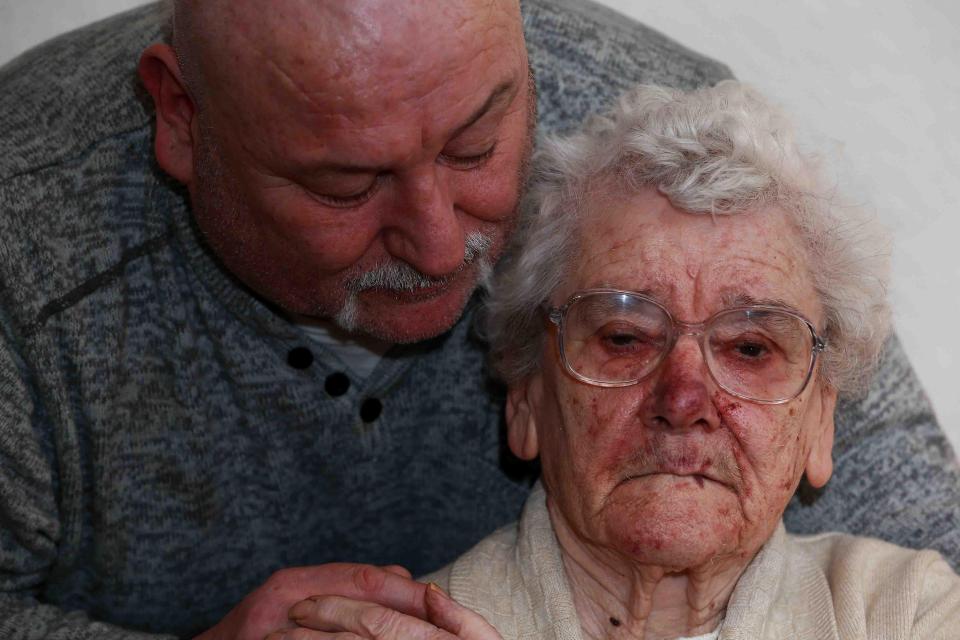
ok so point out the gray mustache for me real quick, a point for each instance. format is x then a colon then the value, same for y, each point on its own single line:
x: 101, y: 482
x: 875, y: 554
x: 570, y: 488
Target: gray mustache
x: 399, y: 276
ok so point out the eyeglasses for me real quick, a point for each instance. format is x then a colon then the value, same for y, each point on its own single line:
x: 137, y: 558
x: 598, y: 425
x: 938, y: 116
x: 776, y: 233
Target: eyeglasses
x: 613, y: 338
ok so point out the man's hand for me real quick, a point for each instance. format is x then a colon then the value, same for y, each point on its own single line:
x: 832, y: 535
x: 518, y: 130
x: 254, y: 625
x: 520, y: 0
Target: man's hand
x: 432, y: 615
x: 266, y: 610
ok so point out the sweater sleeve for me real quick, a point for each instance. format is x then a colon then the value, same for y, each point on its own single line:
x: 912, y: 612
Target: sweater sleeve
x: 31, y: 530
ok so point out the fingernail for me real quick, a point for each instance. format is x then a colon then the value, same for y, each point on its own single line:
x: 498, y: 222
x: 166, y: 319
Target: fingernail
x: 433, y: 586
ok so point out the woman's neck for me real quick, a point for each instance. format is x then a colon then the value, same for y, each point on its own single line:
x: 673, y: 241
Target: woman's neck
x: 618, y: 598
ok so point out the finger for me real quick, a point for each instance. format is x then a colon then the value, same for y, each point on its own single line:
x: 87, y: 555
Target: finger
x: 310, y: 634
x: 448, y: 614
x: 367, y: 583
x: 367, y: 620
x: 398, y: 570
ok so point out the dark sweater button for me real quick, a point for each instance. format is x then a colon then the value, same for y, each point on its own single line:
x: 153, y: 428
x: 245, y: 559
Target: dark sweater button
x: 336, y: 384
x: 300, y: 358
x: 371, y: 409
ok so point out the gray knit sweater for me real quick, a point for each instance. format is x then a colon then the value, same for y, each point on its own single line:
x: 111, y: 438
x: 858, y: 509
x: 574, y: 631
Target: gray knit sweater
x: 167, y: 440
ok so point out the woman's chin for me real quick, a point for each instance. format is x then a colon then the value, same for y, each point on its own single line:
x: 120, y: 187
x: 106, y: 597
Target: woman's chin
x: 678, y: 522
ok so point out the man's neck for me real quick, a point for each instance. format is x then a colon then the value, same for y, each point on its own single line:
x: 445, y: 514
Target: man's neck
x: 617, y: 598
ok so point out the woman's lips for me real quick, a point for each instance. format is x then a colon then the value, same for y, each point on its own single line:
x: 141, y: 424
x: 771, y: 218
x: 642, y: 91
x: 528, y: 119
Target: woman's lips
x: 679, y: 474
x: 699, y: 471
x: 699, y: 478
x: 684, y: 458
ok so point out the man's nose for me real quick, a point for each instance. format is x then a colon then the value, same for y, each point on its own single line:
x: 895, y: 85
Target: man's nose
x: 680, y: 396
x: 422, y: 228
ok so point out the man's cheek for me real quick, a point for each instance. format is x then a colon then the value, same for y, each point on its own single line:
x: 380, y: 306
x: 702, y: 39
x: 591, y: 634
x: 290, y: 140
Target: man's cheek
x: 490, y: 195
x: 305, y: 233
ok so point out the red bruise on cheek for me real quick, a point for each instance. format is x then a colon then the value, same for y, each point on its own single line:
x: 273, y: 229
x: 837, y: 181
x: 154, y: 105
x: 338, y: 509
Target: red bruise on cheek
x: 594, y: 421
x: 724, y: 404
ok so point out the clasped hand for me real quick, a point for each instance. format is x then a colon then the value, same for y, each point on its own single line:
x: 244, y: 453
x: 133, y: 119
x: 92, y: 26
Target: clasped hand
x: 349, y: 601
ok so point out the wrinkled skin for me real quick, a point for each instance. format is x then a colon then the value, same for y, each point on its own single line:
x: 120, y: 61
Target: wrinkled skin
x: 320, y: 140
x: 673, y: 478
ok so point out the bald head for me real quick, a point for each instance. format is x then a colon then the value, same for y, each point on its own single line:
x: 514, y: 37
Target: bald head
x: 219, y: 42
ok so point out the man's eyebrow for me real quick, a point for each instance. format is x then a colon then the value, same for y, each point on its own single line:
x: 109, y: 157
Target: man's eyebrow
x: 502, y: 94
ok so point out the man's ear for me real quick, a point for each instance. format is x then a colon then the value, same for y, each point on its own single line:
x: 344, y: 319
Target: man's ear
x: 160, y: 73
x: 521, y: 417
x: 820, y: 460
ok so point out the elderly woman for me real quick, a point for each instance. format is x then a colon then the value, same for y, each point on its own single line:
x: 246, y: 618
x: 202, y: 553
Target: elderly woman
x: 683, y: 306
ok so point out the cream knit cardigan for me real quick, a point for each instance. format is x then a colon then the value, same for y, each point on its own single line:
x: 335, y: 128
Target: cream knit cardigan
x: 822, y: 587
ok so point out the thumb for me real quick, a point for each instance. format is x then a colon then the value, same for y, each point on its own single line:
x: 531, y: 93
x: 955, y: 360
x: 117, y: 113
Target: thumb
x: 447, y: 614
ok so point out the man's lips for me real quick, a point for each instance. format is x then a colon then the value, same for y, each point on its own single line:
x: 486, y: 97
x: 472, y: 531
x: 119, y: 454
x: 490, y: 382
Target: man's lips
x: 416, y: 295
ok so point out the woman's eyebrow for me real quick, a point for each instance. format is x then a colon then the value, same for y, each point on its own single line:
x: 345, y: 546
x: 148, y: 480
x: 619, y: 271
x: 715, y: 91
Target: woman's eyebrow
x: 745, y: 299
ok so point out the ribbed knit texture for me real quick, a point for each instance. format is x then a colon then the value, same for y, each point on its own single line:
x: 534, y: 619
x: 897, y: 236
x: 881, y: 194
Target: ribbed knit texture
x: 825, y: 587
x: 159, y: 457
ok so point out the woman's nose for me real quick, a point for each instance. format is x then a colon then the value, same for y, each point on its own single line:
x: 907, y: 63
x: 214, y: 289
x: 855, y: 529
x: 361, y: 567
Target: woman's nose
x: 422, y: 227
x: 681, y: 392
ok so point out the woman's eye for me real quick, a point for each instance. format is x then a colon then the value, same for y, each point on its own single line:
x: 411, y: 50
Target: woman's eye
x: 467, y: 162
x: 621, y: 339
x: 627, y: 339
x: 750, y: 350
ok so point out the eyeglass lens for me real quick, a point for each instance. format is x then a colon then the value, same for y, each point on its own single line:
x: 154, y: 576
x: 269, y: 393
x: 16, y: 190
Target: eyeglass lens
x: 761, y: 354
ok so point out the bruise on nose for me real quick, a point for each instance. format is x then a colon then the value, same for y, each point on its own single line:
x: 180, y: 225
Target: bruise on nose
x: 682, y: 401
x: 681, y: 398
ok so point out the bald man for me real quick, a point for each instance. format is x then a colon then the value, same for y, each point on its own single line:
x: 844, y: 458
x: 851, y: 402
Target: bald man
x: 235, y: 309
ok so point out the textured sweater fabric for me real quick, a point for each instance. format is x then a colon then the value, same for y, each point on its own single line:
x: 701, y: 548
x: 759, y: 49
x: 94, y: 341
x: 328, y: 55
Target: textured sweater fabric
x: 830, y: 586
x: 167, y: 440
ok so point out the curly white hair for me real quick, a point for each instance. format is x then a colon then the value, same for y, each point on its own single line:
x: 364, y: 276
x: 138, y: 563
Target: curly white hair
x: 721, y: 151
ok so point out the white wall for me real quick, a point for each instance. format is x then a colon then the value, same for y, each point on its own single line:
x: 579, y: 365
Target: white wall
x: 878, y: 82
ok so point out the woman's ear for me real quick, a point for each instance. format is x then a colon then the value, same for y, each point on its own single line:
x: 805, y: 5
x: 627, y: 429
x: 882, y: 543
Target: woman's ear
x: 160, y: 73
x: 522, y: 400
x: 820, y: 459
